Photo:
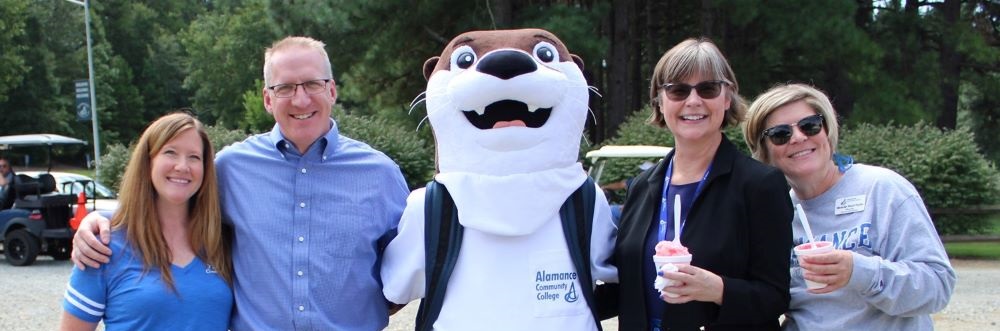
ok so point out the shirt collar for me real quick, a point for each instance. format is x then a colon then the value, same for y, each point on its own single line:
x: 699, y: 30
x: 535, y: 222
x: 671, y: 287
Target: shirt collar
x: 327, y: 144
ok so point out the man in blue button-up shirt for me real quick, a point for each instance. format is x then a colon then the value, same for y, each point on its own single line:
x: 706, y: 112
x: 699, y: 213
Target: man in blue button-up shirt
x: 311, y: 209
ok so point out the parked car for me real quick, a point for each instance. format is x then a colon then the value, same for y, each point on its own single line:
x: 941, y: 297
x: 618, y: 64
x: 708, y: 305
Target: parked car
x: 99, y: 197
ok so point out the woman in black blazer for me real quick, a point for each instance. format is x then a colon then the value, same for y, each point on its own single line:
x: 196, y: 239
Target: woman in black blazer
x: 736, y: 214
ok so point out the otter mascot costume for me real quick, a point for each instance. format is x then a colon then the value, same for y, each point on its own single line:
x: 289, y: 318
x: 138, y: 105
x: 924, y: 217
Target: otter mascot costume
x: 511, y: 234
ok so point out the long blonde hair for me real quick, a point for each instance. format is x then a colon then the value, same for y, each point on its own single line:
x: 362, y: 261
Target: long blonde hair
x: 137, y: 207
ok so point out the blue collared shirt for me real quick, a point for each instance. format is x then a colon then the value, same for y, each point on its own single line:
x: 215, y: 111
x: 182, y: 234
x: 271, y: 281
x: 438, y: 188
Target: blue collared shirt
x: 309, y: 231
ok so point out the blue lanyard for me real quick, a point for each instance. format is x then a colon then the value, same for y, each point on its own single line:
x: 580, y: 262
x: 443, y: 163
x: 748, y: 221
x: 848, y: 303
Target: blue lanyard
x: 665, y: 202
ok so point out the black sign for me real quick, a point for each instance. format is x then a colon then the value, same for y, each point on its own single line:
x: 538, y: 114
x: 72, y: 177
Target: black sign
x: 82, y: 104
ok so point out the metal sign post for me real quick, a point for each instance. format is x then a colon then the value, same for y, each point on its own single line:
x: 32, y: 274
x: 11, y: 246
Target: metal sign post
x: 93, y: 97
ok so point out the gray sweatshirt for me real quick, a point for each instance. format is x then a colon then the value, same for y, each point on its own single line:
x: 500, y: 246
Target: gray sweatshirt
x: 901, y: 272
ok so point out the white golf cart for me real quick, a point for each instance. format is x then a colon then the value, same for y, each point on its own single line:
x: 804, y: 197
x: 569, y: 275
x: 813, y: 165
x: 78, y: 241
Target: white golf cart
x: 639, y: 154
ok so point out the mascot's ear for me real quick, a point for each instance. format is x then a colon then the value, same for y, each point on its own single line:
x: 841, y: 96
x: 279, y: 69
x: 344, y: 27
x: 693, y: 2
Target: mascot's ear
x: 577, y: 59
x: 429, y: 66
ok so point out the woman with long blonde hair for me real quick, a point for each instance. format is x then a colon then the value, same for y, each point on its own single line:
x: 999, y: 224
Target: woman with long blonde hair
x: 170, y: 268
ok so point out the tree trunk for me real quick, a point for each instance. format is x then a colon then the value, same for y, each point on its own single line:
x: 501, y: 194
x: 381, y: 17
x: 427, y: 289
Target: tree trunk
x: 863, y: 14
x: 501, y: 11
x: 622, y: 86
x: 950, y: 62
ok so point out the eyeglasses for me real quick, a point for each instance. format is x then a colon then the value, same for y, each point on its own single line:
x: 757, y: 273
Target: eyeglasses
x: 4, y: 165
x: 708, y: 89
x: 782, y: 133
x: 315, y: 86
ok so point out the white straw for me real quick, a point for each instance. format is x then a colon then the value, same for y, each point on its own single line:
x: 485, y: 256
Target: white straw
x: 677, y: 218
x: 805, y: 222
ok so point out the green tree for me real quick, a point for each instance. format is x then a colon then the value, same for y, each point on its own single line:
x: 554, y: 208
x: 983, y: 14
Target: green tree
x: 145, y: 37
x: 37, y: 101
x: 224, y: 56
x: 12, y: 62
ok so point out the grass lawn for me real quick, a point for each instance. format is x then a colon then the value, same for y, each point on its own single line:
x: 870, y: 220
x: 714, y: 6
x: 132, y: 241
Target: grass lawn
x: 82, y: 171
x: 974, y: 250
x: 989, y: 250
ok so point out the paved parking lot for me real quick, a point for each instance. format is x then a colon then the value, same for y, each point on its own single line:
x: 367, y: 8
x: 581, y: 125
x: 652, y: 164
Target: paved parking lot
x: 31, y: 298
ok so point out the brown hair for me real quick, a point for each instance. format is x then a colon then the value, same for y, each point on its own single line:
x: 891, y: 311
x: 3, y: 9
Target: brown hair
x: 778, y: 97
x: 137, y: 206
x: 687, y: 59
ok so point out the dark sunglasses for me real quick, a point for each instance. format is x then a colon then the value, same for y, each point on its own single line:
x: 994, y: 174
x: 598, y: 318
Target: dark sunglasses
x: 782, y: 133
x: 708, y: 89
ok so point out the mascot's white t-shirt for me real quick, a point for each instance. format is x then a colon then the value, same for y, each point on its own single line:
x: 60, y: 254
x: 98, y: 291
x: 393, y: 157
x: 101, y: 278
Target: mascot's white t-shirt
x: 501, y: 281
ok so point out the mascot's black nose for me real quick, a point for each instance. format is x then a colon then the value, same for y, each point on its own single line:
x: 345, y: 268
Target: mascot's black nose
x: 506, y: 64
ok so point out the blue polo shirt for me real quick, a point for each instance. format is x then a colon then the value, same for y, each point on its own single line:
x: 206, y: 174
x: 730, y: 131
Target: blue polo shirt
x: 127, y: 299
x: 309, y: 231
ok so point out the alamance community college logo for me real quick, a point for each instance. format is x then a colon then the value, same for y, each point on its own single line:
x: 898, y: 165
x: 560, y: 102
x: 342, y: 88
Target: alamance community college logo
x: 555, y: 286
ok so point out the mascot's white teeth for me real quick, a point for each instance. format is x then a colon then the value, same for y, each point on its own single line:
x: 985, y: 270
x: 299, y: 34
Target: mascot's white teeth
x: 504, y: 113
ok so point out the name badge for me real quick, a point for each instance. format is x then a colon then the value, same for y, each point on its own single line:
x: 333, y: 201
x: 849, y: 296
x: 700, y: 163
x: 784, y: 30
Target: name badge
x: 850, y: 204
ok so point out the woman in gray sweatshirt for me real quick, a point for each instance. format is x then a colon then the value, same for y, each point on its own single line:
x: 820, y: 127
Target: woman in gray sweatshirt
x: 889, y: 270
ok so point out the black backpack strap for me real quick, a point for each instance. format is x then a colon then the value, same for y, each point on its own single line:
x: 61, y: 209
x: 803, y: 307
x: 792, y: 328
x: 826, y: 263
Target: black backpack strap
x: 577, y: 215
x: 442, y: 241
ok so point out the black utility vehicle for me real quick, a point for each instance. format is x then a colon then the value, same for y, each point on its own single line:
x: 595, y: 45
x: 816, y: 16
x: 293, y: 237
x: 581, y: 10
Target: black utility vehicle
x: 35, y: 218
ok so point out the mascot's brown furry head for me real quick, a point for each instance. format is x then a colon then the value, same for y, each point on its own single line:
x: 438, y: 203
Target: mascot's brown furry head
x: 506, y: 102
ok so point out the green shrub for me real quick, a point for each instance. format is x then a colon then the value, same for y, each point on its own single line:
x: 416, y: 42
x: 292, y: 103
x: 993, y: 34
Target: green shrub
x: 413, y: 154
x: 255, y: 117
x: 222, y: 137
x: 113, y: 165
x: 945, y: 166
x: 116, y: 156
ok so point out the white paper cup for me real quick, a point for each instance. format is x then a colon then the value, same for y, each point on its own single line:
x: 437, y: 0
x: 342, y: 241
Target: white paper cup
x: 668, y: 264
x: 814, y: 248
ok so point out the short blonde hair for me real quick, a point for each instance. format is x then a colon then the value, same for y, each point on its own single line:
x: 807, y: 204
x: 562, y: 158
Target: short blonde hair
x: 294, y: 42
x: 778, y: 97
x: 689, y: 58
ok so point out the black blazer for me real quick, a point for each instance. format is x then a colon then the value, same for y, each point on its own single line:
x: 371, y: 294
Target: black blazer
x: 740, y: 228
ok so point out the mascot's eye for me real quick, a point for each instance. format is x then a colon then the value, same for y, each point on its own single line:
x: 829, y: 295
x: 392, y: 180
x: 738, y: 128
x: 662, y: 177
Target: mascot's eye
x: 465, y: 60
x: 546, y: 53
x: 463, y: 57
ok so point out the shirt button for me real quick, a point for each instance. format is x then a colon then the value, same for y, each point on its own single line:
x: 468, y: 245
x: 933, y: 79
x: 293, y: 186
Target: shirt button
x: 302, y: 204
x: 324, y: 157
x: 300, y: 273
x: 302, y: 308
x: 301, y: 239
x: 303, y: 170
